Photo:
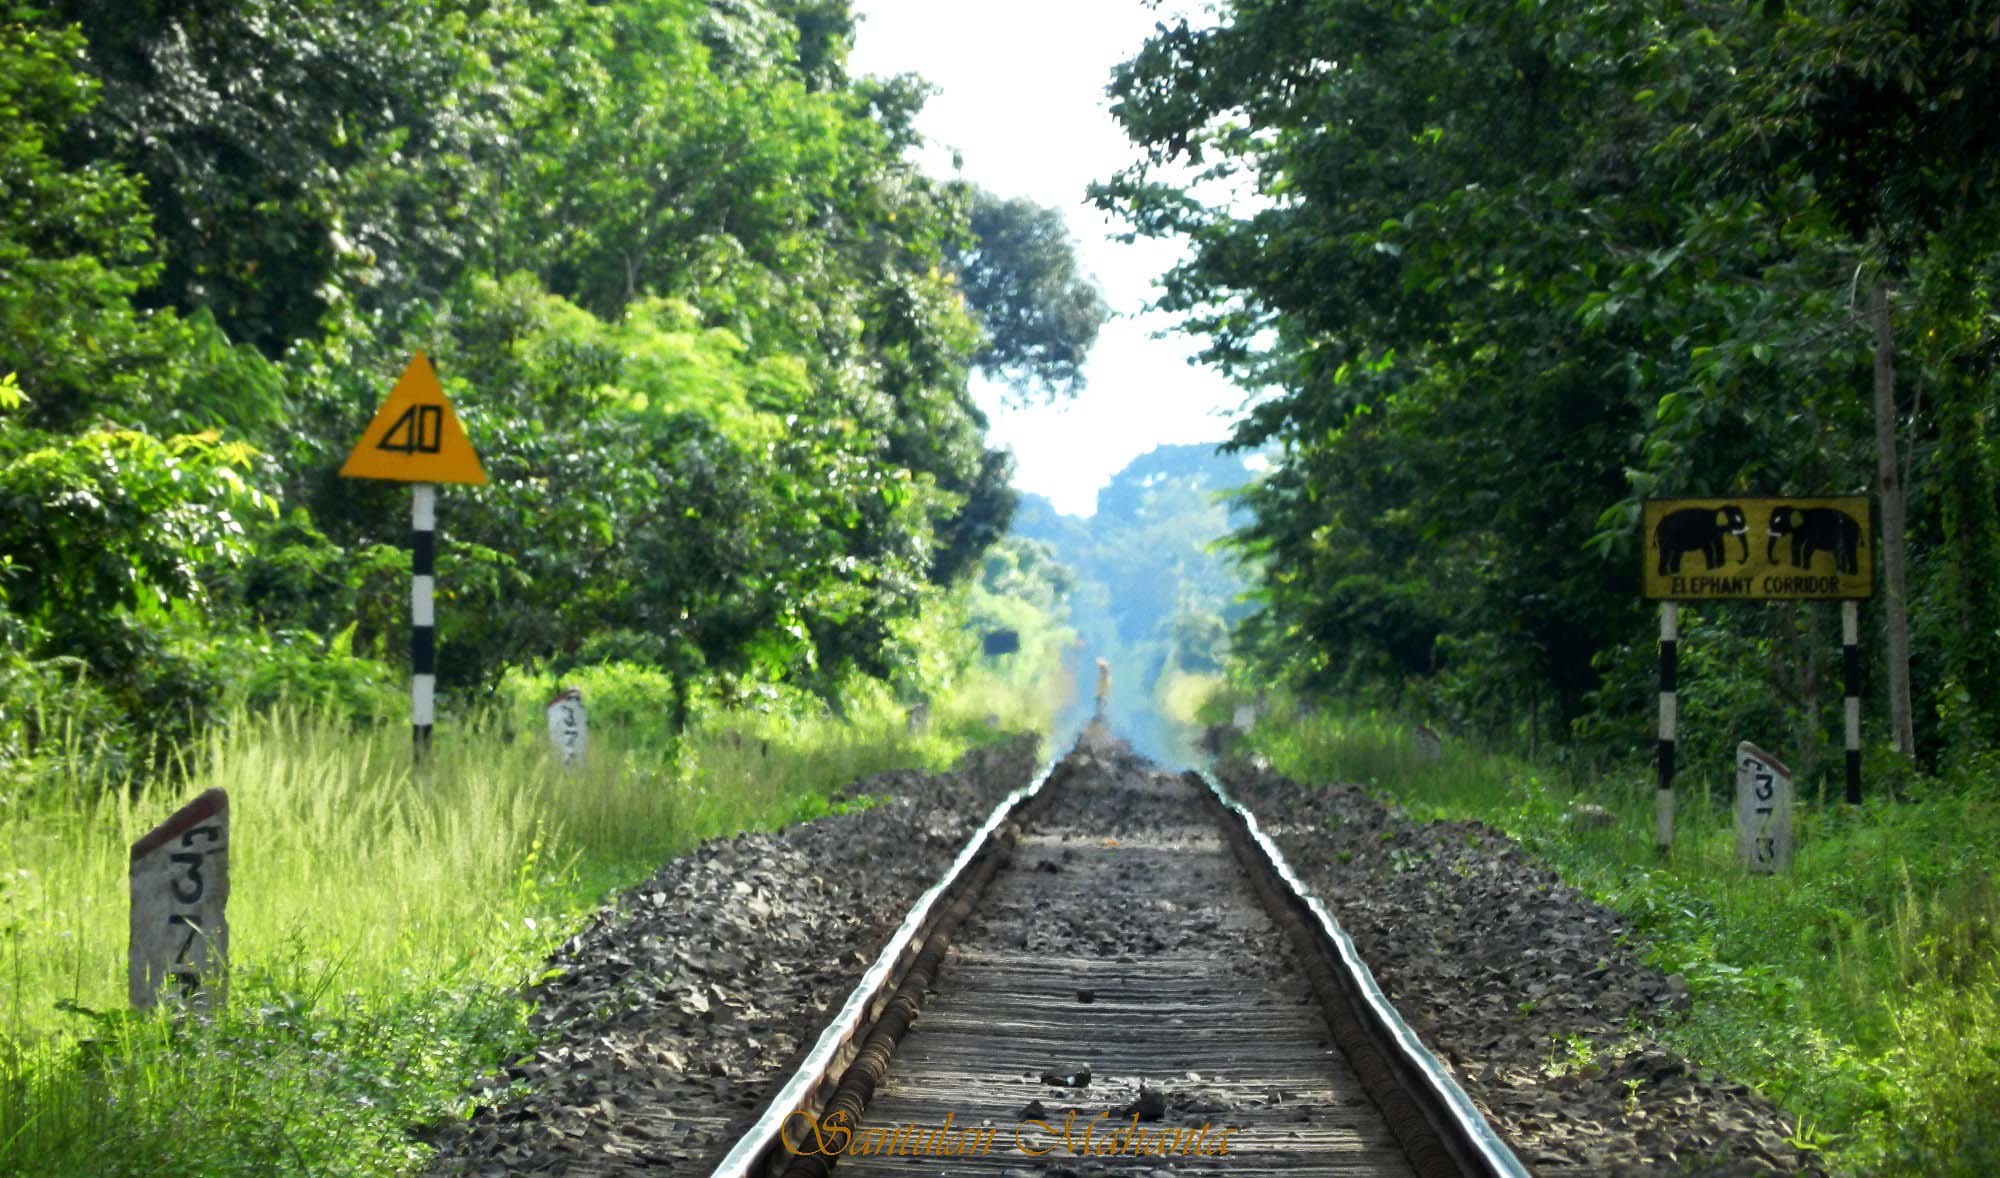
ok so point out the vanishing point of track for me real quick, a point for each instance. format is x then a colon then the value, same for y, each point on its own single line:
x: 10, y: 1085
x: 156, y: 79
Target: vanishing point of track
x: 1119, y: 974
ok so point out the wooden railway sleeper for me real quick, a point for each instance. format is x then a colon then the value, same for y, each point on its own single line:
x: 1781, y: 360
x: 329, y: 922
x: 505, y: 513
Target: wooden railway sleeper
x: 1438, y: 1140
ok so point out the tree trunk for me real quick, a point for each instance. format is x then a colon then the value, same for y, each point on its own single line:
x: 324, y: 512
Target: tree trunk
x: 1972, y: 538
x: 1534, y: 720
x: 1806, y: 653
x: 1889, y: 488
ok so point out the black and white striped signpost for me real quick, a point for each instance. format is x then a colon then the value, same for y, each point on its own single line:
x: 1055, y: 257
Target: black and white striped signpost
x: 1663, y: 797
x: 1850, y: 659
x: 423, y: 616
x: 416, y: 438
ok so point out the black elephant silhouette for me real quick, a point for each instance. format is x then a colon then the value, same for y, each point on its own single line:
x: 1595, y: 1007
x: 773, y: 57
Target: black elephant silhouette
x: 1700, y: 529
x: 1814, y: 530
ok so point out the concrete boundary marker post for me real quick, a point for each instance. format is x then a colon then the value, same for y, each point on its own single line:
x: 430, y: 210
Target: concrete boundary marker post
x: 179, y: 882
x: 1428, y: 745
x: 1763, y: 811
x: 569, y: 727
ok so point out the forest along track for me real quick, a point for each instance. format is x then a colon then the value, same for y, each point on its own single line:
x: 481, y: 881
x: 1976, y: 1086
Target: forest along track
x: 1118, y: 1000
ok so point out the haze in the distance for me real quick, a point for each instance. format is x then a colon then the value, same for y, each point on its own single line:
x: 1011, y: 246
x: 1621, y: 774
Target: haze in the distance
x: 1022, y: 103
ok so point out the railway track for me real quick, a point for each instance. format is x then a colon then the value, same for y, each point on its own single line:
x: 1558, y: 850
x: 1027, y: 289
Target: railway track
x: 1118, y: 975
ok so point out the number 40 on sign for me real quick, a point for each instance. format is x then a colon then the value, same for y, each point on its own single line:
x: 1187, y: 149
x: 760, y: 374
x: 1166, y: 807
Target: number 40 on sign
x: 415, y: 437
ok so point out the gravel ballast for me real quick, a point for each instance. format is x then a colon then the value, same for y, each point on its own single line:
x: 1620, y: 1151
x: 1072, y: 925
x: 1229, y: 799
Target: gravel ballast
x: 682, y: 1002
x: 1529, y: 991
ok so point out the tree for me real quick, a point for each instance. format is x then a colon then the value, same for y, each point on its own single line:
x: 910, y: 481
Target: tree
x: 1512, y: 274
x: 1883, y: 109
x: 673, y: 263
x: 76, y: 245
x: 298, y: 154
x: 1406, y: 286
x: 1019, y: 273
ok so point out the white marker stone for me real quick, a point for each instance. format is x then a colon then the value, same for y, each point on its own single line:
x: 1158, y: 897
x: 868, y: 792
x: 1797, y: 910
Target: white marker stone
x: 1246, y: 715
x: 1763, y: 810
x: 569, y: 727
x: 1429, y: 745
x: 180, y: 886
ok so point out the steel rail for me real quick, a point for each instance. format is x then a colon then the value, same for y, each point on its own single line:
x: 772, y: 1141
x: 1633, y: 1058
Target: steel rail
x: 819, y: 1072
x: 1473, y: 1142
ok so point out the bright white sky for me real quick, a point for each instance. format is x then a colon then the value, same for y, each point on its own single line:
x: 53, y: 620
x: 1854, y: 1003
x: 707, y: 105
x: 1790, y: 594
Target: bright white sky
x: 1022, y: 100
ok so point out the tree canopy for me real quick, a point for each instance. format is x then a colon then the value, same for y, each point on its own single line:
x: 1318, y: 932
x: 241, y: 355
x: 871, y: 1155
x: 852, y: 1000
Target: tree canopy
x: 706, y: 322
x: 1040, y: 314
x: 1511, y: 269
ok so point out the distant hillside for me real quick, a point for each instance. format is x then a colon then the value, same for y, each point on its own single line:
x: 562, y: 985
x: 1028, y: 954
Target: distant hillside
x: 1149, y: 596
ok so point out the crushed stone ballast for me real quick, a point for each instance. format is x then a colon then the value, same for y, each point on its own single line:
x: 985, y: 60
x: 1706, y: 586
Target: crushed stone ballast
x: 1119, y: 969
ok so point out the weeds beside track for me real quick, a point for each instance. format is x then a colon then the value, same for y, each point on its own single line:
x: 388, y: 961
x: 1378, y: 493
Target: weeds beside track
x: 1861, y: 992
x: 379, y: 927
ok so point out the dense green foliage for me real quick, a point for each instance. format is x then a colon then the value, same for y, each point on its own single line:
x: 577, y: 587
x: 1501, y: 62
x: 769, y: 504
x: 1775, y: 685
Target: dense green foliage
x: 709, y: 329
x: 1020, y: 275
x: 1512, y: 268
x: 1503, y: 271
x: 710, y: 332
x: 1022, y: 598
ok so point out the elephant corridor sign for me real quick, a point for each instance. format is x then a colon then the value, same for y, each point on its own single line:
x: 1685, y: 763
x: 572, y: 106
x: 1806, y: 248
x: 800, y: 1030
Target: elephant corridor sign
x: 1759, y: 548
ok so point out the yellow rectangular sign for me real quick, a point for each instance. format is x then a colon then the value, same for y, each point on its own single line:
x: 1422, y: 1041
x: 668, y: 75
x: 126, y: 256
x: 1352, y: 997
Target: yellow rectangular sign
x: 1759, y: 548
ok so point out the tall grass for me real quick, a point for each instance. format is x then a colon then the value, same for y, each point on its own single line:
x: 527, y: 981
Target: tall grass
x: 378, y: 921
x: 1861, y: 991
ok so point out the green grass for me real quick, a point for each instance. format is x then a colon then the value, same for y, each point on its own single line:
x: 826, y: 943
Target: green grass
x: 1861, y: 992
x: 378, y: 924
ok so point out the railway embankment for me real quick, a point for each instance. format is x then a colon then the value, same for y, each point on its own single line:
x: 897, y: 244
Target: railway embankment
x: 1535, y: 995
x: 669, y: 1015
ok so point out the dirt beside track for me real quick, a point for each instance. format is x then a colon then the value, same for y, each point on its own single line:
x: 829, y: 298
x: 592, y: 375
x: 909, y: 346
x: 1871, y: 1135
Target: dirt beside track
x: 1528, y: 990
x: 683, y: 1000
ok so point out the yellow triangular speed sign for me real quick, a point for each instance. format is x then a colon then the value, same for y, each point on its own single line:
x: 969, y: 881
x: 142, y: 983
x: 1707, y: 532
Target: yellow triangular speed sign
x: 415, y: 437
